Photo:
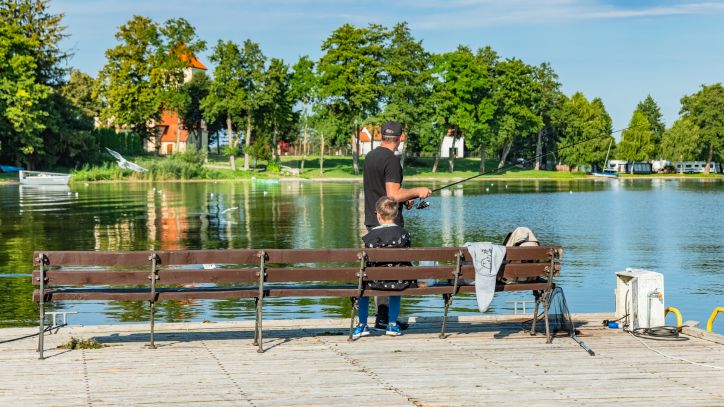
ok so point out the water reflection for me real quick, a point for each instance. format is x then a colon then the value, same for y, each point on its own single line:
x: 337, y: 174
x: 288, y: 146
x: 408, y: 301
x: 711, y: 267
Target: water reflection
x: 671, y: 226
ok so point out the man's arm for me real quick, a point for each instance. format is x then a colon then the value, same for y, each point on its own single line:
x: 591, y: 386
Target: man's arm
x: 399, y: 194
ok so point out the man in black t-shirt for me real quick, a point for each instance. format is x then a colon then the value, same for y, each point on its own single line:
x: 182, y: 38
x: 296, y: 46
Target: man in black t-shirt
x: 383, y: 176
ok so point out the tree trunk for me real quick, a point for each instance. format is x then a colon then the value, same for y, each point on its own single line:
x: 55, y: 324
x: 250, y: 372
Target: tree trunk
x: 321, y: 155
x: 482, y: 159
x: 247, y: 142
x: 539, y: 149
x: 274, y: 143
x: 437, y: 155
x: 304, y: 145
x: 355, y: 151
x: 707, y: 168
x: 230, y: 134
x: 451, y: 158
x: 506, y: 150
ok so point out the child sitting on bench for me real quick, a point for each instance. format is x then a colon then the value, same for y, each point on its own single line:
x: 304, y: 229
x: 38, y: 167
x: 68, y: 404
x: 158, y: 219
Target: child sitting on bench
x: 387, y: 234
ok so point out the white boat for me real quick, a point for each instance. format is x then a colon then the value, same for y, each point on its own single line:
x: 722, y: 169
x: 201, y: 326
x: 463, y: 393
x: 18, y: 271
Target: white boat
x: 43, y: 178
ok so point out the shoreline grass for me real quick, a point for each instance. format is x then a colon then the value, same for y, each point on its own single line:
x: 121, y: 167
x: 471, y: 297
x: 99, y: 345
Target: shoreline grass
x: 190, y: 167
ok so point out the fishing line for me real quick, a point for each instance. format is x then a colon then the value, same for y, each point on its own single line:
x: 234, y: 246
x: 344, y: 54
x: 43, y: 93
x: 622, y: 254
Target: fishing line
x: 424, y: 204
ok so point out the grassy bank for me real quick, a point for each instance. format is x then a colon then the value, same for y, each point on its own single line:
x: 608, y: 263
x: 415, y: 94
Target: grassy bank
x: 190, y: 166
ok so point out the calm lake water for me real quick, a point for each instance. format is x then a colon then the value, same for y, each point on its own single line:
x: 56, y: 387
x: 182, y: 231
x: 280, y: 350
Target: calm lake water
x: 670, y: 226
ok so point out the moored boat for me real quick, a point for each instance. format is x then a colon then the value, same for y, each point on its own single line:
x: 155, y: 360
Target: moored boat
x: 43, y: 178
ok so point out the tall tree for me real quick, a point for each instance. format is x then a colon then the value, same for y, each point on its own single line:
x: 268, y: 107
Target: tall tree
x: 225, y: 98
x: 706, y: 110
x: 131, y: 98
x: 81, y: 90
x: 251, y: 77
x: 585, y: 129
x: 179, y: 43
x: 515, y: 98
x: 350, y: 77
x: 39, y: 126
x: 192, y: 114
x: 637, y: 140
x: 652, y: 112
x: 278, y: 101
x: 547, y: 101
x: 302, y: 88
x: 681, y: 142
x: 407, y: 81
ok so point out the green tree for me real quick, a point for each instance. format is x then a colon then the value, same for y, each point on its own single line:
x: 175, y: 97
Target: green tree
x: 179, y: 43
x: 462, y: 98
x: 636, y: 143
x: 303, y: 87
x: 652, y: 112
x: 39, y: 126
x: 706, y: 109
x: 407, y: 81
x: 350, y: 78
x: 585, y: 131
x: 82, y: 91
x: 192, y: 114
x: 251, y: 79
x: 515, y: 97
x: 225, y: 97
x: 278, y: 103
x: 131, y: 97
x: 548, y: 100
x: 681, y: 142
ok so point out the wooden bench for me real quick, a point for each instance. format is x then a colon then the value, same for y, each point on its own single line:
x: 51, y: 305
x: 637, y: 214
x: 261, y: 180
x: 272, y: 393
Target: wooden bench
x: 259, y: 273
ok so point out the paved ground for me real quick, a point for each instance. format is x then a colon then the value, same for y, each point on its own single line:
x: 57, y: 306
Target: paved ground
x: 485, y: 360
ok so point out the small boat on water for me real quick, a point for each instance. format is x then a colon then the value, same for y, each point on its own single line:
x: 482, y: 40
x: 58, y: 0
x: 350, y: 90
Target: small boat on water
x: 43, y: 178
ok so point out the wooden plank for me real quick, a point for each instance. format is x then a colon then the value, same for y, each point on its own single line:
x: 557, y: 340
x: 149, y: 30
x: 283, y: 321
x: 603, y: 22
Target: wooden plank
x: 280, y: 256
x: 56, y: 277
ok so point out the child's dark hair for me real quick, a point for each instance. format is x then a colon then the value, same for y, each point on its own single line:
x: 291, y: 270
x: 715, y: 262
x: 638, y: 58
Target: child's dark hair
x: 386, y: 207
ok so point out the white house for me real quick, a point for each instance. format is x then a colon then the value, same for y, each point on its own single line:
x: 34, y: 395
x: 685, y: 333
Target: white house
x: 456, y: 143
x: 369, y: 141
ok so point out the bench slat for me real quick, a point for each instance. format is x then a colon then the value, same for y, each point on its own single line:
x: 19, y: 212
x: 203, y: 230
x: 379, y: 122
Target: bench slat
x: 225, y: 276
x: 278, y: 291
x: 278, y: 256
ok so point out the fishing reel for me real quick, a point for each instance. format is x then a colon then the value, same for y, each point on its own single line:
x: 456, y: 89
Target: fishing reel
x: 422, y: 204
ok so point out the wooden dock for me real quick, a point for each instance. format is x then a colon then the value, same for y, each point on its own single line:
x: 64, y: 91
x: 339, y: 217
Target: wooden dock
x: 484, y: 360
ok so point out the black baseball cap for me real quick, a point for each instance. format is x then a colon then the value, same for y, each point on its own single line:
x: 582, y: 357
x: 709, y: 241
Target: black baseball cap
x: 391, y: 129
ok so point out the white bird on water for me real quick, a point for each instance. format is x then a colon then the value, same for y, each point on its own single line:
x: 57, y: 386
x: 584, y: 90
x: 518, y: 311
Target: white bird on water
x: 123, y: 163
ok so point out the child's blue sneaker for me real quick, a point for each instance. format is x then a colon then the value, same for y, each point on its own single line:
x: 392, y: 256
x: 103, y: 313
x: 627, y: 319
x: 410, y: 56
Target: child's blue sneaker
x: 360, y: 330
x: 393, y: 330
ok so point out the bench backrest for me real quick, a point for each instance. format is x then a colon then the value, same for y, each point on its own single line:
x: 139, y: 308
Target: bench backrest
x: 178, y: 267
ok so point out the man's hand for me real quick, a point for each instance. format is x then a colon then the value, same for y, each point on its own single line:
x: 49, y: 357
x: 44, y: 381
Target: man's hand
x: 423, y: 192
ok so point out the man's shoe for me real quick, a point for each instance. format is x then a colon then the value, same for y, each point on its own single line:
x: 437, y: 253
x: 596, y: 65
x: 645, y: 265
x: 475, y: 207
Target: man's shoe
x: 393, y: 330
x: 403, y: 325
x: 360, y: 331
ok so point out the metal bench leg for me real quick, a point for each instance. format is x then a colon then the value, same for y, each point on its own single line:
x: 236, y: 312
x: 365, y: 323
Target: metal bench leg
x: 256, y: 322
x: 533, y: 326
x: 41, y: 303
x: 362, y: 256
x: 152, y: 302
x: 448, y: 298
x: 260, y: 301
x: 546, y: 304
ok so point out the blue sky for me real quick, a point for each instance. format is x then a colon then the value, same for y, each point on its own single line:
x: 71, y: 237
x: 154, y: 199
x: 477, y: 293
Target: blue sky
x: 617, y: 50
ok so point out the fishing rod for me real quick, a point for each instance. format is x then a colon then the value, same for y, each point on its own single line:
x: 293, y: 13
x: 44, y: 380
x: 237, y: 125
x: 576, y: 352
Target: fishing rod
x: 424, y: 204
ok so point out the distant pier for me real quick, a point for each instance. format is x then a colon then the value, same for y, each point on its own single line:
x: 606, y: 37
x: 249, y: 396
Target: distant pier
x: 485, y: 360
